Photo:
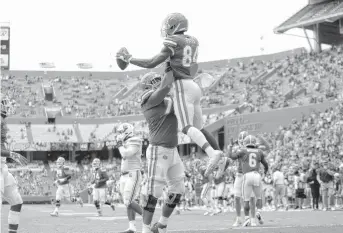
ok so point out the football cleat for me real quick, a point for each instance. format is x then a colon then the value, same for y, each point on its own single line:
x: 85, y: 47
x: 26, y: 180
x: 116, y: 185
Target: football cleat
x: 214, y: 160
x: 237, y: 223
x: 54, y: 214
x: 159, y: 228
x: 128, y: 231
x: 247, y: 222
x: 259, y: 217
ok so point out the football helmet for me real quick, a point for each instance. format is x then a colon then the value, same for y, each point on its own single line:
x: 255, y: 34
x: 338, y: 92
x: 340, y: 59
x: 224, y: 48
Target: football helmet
x: 150, y: 81
x: 125, y: 131
x: 173, y: 23
x: 96, y: 163
x: 241, y: 137
x: 250, y: 141
x: 60, y: 162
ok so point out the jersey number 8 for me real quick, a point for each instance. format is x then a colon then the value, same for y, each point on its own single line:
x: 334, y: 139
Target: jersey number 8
x: 252, y: 160
x: 188, y: 56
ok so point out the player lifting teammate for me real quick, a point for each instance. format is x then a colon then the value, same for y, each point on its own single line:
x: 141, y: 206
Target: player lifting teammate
x: 164, y: 164
x: 251, y: 157
x: 9, y: 188
x: 130, y: 148
x: 182, y: 52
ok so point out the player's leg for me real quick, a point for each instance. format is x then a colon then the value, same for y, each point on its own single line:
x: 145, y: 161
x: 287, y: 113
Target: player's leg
x: 155, y: 183
x: 204, y: 196
x: 131, y: 193
x: 257, y: 190
x: 96, y: 201
x: 237, y: 190
x: 59, y: 196
x: 246, y: 193
x: 186, y: 95
x: 12, y: 196
x: 176, y: 186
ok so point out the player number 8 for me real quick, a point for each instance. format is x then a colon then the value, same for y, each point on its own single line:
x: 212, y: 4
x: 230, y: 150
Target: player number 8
x: 188, y: 56
x: 252, y: 160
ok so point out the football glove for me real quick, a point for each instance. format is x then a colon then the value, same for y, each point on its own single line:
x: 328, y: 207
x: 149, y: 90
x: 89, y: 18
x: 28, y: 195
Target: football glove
x: 18, y: 158
x: 124, y: 55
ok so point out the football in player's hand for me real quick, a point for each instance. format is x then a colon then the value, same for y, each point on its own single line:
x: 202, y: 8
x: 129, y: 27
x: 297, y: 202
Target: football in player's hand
x: 123, y: 57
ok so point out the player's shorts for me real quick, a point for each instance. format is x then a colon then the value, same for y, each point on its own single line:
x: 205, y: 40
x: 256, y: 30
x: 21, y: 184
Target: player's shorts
x: 164, y: 168
x: 205, y: 192
x: 220, y: 188
x: 280, y: 190
x: 186, y: 98
x: 252, y: 184
x: 327, y: 188
x: 130, y: 186
x: 63, y: 191
x: 99, y: 194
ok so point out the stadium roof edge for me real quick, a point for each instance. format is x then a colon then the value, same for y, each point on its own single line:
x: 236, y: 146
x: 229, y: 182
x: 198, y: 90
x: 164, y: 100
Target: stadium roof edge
x: 309, y: 12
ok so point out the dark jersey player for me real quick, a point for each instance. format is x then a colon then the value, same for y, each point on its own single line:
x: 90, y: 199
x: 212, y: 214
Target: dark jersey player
x: 181, y: 51
x: 164, y: 163
x: 251, y: 157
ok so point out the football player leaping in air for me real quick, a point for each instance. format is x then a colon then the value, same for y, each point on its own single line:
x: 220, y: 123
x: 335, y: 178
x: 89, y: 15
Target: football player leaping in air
x: 9, y: 188
x: 164, y: 164
x: 251, y: 157
x: 130, y: 148
x: 182, y: 52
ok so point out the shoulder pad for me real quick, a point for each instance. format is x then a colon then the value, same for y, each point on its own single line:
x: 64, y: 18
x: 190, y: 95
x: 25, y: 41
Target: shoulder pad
x: 103, y: 169
x: 170, y: 42
x: 134, y: 141
x: 145, y: 96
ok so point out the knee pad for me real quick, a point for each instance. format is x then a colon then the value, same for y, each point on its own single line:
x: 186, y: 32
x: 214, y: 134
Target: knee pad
x: 173, y: 199
x: 13, y: 217
x: 16, y: 208
x: 149, y: 203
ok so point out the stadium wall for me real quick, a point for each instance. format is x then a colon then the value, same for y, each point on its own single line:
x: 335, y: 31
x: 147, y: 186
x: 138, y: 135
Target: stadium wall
x: 265, y: 121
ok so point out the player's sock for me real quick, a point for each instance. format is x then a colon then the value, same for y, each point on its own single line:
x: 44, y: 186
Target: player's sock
x: 210, y: 138
x: 146, y: 228
x: 198, y: 137
x: 163, y: 220
x: 132, y: 225
x: 13, y: 218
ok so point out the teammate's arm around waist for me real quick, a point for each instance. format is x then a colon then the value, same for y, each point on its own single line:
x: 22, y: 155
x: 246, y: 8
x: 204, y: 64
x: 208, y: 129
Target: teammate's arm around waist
x: 153, y: 62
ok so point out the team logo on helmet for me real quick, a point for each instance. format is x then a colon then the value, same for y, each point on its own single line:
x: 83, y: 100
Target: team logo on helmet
x: 96, y: 163
x: 151, y: 80
x: 125, y: 131
x: 60, y: 162
x: 173, y: 23
x: 241, y: 137
x: 250, y: 141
